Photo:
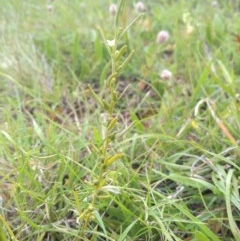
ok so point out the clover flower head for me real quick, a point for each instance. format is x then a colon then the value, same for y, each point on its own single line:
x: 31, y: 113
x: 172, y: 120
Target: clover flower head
x: 166, y: 74
x: 140, y: 6
x: 49, y: 7
x: 215, y: 4
x: 113, y: 9
x: 163, y: 36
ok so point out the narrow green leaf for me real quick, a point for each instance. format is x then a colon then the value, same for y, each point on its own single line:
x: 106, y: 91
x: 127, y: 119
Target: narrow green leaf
x: 94, y: 95
x: 38, y: 130
x: 126, y: 61
x: 120, y: 10
x: 130, y: 24
x: 201, y: 237
x: 9, y: 138
x: 120, y: 134
x: 226, y: 74
x: 2, y: 235
x: 137, y: 122
x: 232, y: 223
x: 126, y: 231
x: 120, y: 52
x: 100, y: 222
x: 108, y: 161
x: 112, y: 123
x: 203, y: 227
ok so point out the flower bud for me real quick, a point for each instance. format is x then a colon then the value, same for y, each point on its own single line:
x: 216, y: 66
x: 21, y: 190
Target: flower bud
x: 162, y: 37
x: 166, y: 74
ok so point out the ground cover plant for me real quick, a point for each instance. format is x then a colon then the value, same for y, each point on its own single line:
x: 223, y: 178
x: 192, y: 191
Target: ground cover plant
x: 119, y: 120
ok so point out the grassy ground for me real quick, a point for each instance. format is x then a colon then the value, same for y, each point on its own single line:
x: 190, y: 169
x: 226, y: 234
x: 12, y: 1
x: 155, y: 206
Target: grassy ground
x: 177, y: 173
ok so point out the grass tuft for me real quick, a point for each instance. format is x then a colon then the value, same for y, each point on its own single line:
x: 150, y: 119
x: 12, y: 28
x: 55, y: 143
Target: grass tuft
x: 119, y: 125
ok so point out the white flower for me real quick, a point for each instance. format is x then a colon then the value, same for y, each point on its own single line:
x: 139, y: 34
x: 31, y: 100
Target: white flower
x: 166, y: 74
x: 163, y: 36
x: 113, y: 9
x: 111, y: 43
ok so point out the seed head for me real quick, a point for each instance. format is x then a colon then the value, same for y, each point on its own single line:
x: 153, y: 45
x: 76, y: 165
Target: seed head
x: 162, y: 37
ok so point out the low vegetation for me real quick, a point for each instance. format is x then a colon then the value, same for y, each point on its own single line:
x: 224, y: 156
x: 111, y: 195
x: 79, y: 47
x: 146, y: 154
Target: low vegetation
x: 119, y: 121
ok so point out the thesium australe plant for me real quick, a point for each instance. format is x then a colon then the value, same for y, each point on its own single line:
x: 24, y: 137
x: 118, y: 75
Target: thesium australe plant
x: 105, y: 154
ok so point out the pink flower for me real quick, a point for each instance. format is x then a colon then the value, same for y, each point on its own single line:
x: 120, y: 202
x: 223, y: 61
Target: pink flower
x: 163, y: 36
x: 140, y: 7
x: 166, y: 74
x: 113, y: 9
